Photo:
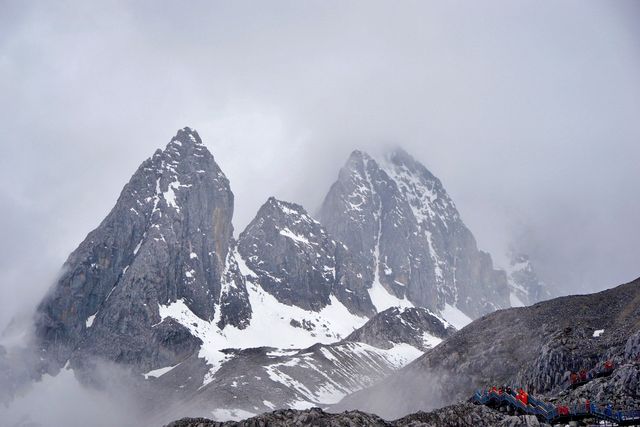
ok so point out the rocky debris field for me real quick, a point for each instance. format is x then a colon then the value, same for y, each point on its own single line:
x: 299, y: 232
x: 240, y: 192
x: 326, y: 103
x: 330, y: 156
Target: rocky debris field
x: 463, y: 414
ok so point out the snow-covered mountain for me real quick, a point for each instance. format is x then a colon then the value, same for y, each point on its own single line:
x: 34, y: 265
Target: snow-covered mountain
x: 296, y: 312
x: 401, y: 225
x: 293, y: 257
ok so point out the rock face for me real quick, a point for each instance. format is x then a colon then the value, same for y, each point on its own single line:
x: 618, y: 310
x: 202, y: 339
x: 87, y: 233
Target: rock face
x: 404, y: 230
x: 535, y: 346
x: 296, y: 260
x: 168, y: 238
x: 417, y: 327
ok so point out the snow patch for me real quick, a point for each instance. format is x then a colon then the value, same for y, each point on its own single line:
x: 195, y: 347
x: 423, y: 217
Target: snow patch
x: 158, y: 372
x: 382, y: 299
x: 90, y: 320
x: 137, y: 248
x: 430, y: 341
x: 515, y: 301
x: 207, y: 331
x: 327, y: 390
x: 271, y: 320
x: 301, y: 405
x: 455, y: 317
x: 280, y: 353
x: 269, y: 404
x: 293, y: 236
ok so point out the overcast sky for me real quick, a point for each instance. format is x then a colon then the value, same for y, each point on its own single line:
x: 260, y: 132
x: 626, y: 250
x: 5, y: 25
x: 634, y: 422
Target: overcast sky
x: 529, y: 112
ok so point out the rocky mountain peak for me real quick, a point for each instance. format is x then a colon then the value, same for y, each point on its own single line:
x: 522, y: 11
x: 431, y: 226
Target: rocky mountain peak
x: 400, y: 224
x: 167, y: 238
x: 187, y: 135
x: 358, y: 156
x: 287, y: 212
x: 292, y: 254
x: 425, y: 193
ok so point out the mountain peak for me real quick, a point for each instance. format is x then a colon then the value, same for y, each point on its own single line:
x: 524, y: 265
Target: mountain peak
x: 287, y: 211
x: 398, y: 152
x: 358, y: 160
x: 400, y: 223
x: 186, y: 143
x: 358, y: 154
x: 167, y: 239
x: 187, y: 135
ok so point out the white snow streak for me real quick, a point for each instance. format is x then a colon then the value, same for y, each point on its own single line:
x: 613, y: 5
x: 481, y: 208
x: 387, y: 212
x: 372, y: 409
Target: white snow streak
x: 293, y: 236
x: 158, y: 372
x: 90, y: 320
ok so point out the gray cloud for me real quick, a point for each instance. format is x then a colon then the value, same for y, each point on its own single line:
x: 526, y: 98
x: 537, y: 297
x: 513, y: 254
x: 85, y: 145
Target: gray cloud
x: 527, y: 111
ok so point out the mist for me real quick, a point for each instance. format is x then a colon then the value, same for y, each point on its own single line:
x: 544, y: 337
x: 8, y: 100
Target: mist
x: 528, y: 113
x: 62, y: 400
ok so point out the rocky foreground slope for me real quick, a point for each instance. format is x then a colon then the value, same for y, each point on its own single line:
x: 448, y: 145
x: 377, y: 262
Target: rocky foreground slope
x: 461, y: 415
x: 536, y: 347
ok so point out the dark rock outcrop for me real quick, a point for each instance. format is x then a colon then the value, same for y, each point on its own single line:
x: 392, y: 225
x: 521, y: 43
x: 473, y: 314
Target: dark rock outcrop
x: 464, y: 414
x: 417, y: 327
x: 297, y: 261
